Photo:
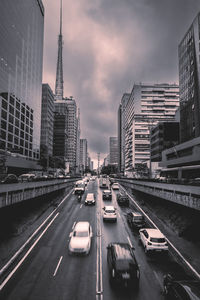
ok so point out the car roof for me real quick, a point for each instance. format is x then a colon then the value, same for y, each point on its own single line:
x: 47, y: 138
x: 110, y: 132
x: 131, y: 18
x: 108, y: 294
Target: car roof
x: 82, y: 226
x: 109, y: 207
x: 90, y: 195
x: 122, y: 250
x: 107, y: 191
x: 153, y: 232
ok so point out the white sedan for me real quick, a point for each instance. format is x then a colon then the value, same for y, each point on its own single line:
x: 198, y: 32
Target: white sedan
x: 80, y: 241
x: 109, y: 214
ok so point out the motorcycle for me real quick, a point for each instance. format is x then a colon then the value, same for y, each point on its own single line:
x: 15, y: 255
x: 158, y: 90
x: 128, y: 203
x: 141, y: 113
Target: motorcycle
x: 79, y: 198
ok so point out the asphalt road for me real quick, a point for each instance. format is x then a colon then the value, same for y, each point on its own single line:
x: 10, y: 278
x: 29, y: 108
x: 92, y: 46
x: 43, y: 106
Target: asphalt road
x: 49, y: 272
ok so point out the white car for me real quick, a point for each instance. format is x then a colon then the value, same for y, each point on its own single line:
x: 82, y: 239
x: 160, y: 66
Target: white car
x: 115, y: 186
x: 80, y: 241
x: 153, y: 240
x: 90, y: 199
x: 109, y: 214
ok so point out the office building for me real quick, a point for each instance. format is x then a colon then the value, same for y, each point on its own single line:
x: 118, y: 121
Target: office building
x: 21, y: 60
x: 83, y: 154
x: 147, y: 105
x: 47, y: 120
x: 189, y: 82
x: 113, y: 150
x: 121, y: 132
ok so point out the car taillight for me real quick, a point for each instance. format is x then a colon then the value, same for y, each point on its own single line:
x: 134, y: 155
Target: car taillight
x: 149, y: 243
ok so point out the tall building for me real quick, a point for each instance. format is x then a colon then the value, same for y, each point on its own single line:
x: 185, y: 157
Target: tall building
x: 113, y: 150
x: 72, y: 133
x: 147, y: 105
x: 47, y: 119
x: 21, y: 54
x: 189, y: 81
x: 60, y: 142
x: 78, y: 133
x: 59, y: 70
x: 83, y: 154
x: 121, y: 132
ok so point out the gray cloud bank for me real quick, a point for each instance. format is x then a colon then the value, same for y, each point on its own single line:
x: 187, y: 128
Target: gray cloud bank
x: 109, y: 45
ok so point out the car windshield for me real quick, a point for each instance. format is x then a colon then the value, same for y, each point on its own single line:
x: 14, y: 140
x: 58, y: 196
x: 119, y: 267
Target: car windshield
x: 80, y: 233
x: 110, y: 211
x: 157, y: 240
x: 138, y: 218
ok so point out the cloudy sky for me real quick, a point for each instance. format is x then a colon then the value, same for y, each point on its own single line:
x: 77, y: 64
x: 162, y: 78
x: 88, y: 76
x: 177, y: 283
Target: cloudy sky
x: 109, y: 45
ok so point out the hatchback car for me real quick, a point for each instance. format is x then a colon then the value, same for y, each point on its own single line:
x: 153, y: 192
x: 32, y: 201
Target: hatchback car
x: 80, y: 241
x: 107, y: 195
x: 181, y: 289
x: 109, y: 214
x: 90, y: 199
x: 122, y: 265
x: 153, y: 240
x: 135, y: 220
x: 115, y: 186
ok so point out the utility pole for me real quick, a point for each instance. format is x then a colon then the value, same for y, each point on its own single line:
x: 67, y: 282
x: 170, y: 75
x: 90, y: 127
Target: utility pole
x: 98, y: 156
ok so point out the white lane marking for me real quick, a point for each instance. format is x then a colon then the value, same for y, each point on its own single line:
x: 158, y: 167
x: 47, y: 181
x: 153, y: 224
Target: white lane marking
x: 59, y: 262
x: 73, y: 225
x: 29, y: 239
x: 81, y: 205
x: 175, y: 249
x: 99, y: 280
x: 129, y: 241
x: 27, y: 253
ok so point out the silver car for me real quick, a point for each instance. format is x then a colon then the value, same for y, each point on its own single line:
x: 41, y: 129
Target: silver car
x: 80, y: 241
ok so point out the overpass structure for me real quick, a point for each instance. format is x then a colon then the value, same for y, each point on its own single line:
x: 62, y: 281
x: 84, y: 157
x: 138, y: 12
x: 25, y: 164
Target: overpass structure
x: 186, y: 195
x: 18, y: 192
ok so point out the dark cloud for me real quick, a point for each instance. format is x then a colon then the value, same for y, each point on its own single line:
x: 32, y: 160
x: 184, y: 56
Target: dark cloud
x: 109, y: 45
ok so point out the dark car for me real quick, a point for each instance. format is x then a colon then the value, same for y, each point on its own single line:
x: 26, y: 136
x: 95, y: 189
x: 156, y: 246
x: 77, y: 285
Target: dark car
x: 10, y: 178
x: 122, y: 265
x: 122, y: 200
x: 107, y: 195
x: 181, y: 289
x: 135, y: 220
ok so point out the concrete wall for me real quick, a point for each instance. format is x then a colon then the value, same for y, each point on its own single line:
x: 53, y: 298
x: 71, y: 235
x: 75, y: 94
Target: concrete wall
x: 181, y: 194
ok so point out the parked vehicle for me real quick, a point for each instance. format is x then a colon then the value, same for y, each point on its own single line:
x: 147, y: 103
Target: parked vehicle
x: 122, y: 265
x: 180, y: 289
x: 122, y: 199
x: 90, y: 199
x: 81, y: 236
x: 27, y: 177
x: 135, y: 220
x: 107, y: 195
x: 153, y: 240
x: 109, y: 214
x: 10, y: 178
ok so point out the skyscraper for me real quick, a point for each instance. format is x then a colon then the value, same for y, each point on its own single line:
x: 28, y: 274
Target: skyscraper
x: 59, y: 70
x: 113, y: 150
x: 83, y: 154
x: 189, y: 81
x: 21, y: 60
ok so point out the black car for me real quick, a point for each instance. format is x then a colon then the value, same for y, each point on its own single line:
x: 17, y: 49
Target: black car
x: 135, y: 220
x: 122, y: 265
x: 10, y: 178
x: 107, y: 195
x: 122, y: 200
x: 180, y: 289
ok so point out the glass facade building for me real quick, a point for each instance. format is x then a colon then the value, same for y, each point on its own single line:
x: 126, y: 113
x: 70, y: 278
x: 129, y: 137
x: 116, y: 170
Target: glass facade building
x: 21, y: 59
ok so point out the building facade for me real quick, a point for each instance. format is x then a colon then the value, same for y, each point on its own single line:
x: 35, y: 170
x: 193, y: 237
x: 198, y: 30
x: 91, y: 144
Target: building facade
x: 21, y: 64
x: 83, y: 155
x: 147, y: 105
x: 189, y: 82
x: 47, y: 119
x: 113, y: 150
x: 121, y: 132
